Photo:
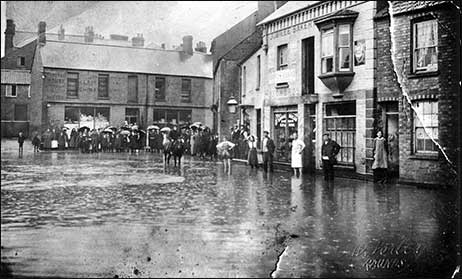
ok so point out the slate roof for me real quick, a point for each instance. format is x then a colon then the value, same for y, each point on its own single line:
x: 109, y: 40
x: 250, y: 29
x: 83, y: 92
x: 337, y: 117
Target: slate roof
x: 288, y: 8
x: 408, y: 6
x: 81, y: 56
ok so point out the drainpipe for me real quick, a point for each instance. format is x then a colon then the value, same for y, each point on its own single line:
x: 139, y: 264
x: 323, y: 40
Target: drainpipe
x: 146, y: 109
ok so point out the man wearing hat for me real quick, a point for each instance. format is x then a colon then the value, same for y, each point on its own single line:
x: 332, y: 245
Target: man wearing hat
x: 329, y: 151
x: 268, y: 150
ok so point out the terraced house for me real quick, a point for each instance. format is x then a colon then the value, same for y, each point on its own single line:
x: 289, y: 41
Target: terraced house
x: 326, y: 67
x: 78, y: 80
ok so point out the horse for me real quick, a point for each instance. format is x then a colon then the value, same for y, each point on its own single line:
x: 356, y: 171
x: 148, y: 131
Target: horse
x: 173, y: 148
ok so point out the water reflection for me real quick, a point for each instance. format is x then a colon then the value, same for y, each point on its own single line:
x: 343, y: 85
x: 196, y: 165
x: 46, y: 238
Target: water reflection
x: 66, y: 214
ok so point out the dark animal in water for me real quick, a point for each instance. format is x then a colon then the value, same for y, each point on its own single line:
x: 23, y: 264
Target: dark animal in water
x: 174, y: 148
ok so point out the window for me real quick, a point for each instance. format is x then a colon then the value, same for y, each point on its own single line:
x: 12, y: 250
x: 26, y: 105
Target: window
x: 258, y: 72
x: 308, y: 66
x: 10, y: 90
x: 132, y: 115
x: 92, y: 117
x: 336, y: 50
x: 340, y: 123
x: 21, y: 61
x: 172, y: 117
x: 103, y: 86
x: 425, y: 127
x: 132, y: 89
x: 425, y: 46
x: 282, y: 57
x: 20, y: 112
x: 285, y: 125
x: 344, y: 49
x: 186, y: 90
x: 327, y: 52
x: 72, y: 84
x: 160, y: 89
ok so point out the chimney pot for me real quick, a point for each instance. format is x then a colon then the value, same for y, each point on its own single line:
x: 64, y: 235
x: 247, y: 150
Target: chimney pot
x: 61, y: 33
x: 138, y: 41
x: 89, y: 35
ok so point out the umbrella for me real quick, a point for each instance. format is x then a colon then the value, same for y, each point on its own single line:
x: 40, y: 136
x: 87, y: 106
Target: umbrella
x: 135, y: 127
x: 107, y: 130
x: 112, y: 128
x: 225, y: 145
x: 196, y: 124
x: 153, y: 127
x: 165, y: 129
x: 65, y: 128
x: 141, y: 131
x: 125, y: 132
x: 84, y: 128
x: 125, y: 128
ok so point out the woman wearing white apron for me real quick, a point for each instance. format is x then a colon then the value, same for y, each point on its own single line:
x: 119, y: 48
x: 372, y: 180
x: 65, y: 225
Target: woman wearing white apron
x: 297, y: 150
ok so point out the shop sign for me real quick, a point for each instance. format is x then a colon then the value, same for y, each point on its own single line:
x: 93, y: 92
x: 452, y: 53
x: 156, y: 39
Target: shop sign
x: 290, y: 30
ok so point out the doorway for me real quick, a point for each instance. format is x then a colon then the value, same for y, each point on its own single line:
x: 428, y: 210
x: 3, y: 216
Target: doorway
x: 391, y: 133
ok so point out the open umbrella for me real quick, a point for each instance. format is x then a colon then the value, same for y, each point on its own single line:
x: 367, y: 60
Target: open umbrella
x: 125, y: 132
x: 165, y: 129
x: 83, y: 128
x: 108, y: 131
x: 141, y: 131
x: 196, y: 124
x: 155, y: 127
x: 112, y: 128
x: 125, y: 128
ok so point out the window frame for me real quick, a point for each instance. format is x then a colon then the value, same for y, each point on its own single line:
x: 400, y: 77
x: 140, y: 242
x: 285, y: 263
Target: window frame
x: 414, y: 25
x: 9, y: 90
x: 76, y: 80
x: 336, y: 48
x: 157, y: 90
x: 182, y: 95
x: 106, y: 95
x: 134, y: 100
x: 282, y: 57
x: 21, y: 61
x: 415, y: 149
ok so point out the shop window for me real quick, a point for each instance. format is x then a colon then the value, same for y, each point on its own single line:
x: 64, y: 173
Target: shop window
x: 103, y: 86
x: 72, y: 84
x: 172, y: 117
x: 340, y: 123
x: 20, y: 112
x: 285, y: 125
x: 159, y: 116
x: 101, y: 117
x: 160, y: 89
x: 71, y: 115
x: 185, y: 90
x: 91, y: 117
x: 425, y: 46
x: 184, y: 117
x: 132, y: 89
x: 425, y: 127
x: 282, y: 57
x: 10, y: 90
x: 132, y: 115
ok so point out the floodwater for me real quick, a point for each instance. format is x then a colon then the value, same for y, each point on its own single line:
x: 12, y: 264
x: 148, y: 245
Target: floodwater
x: 126, y: 215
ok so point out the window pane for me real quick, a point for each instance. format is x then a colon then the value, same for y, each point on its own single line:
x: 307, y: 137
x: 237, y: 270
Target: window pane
x: 344, y: 58
x: 160, y: 88
x: 103, y: 84
x: 344, y: 35
x: 132, y: 89
x: 71, y: 115
x: 185, y: 90
x: 327, y: 65
x: 327, y: 43
x: 72, y: 84
x: 172, y: 117
x: 159, y: 116
x: 185, y: 117
x: 101, y: 117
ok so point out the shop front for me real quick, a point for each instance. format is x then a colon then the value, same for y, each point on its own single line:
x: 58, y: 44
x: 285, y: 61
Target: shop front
x: 172, y: 117
x: 91, y: 117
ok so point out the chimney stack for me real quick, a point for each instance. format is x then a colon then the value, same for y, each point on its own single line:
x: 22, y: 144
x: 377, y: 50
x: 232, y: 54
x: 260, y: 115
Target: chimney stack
x: 9, y: 35
x: 42, y: 27
x: 188, y: 44
x: 61, y: 33
x: 89, y: 34
x: 201, y: 47
x: 138, y: 41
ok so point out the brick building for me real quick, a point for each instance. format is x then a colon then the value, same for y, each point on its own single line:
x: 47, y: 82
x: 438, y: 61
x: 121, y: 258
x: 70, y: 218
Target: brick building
x: 316, y: 71
x: 78, y: 80
x: 427, y: 58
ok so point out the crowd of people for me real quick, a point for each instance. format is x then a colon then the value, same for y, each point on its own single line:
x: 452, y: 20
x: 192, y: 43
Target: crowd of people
x: 200, y: 142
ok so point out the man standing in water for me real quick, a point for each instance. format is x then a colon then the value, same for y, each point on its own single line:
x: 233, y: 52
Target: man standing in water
x: 329, y: 150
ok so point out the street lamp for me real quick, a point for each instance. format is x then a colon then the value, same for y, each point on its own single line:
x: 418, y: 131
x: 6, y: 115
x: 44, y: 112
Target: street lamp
x: 232, y: 104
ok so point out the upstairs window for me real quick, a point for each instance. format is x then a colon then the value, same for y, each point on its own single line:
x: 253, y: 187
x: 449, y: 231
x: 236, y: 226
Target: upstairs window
x: 327, y: 53
x: 282, y: 57
x: 21, y: 61
x: 185, y: 90
x: 425, y: 46
x: 72, y: 84
x: 132, y: 89
x: 103, y: 86
x: 344, y: 47
x: 10, y: 90
x: 160, y: 89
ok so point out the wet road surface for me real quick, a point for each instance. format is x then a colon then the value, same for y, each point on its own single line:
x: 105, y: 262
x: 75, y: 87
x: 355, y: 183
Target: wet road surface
x: 104, y: 215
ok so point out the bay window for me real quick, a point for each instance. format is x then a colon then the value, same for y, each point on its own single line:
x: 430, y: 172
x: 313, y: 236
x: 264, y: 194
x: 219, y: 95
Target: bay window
x: 327, y: 54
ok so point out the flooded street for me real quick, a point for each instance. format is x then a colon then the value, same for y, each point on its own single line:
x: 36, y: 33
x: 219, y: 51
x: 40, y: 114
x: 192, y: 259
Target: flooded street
x: 117, y: 214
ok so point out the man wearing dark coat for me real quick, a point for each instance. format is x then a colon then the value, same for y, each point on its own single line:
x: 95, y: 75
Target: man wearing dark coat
x: 329, y: 151
x: 268, y: 148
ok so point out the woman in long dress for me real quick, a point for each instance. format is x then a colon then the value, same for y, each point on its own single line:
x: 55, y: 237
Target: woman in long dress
x: 297, y: 150
x: 224, y: 150
x: 252, y: 154
x: 380, y: 164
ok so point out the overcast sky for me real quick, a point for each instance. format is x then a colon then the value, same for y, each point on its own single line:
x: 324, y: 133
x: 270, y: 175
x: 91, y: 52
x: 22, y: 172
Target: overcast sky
x: 159, y: 21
